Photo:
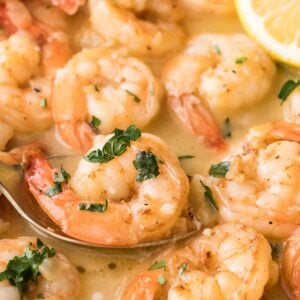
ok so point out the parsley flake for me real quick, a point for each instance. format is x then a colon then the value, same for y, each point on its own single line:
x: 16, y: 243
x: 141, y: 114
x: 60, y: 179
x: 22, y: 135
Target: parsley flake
x: 217, y: 49
x: 240, y: 60
x: 219, y: 170
x: 146, y: 165
x: 115, y: 146
x: 161, y: 264
x: 94, y: 123
x: 227, y: 128
x: 135, y: 97
x: 24, y: 268
x: 161, y: 280
x: 287, y: 89
x: 184, y: 157
x: 182, y: 269
x: 59, y: 177
x: 94, y: 207
x: 43, y: 103
x: 209, y: 196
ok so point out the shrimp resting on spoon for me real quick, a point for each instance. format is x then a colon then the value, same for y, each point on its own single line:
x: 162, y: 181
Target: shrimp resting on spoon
x: 31, y: 270
x: 226, y: 73
x: 230, y: 261
x: 143, y: 27
x: 261, y: 187
x: 105, y: 88
x: 127, y: 190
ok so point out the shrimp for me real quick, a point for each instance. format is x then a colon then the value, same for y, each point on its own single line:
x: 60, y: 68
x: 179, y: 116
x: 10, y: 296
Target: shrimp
x: 21, y: 108
x: 229, y: 261
x: 291, y: 107
x: 290, y: 265
x: 57, y: 279
x: 15, y: 17
x: 195, y: 7
x: 120, y: 23
x: 261, y: 187
x: 116, y: 89
x: 68, y: 6
x: 226, y: 73
x: 133, y: 211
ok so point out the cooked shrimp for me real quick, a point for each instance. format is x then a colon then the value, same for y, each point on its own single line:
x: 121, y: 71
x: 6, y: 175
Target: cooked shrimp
x: 68, y: 6
x: 136, y: 211
x: 119, y: 23
x: 57, y: 279
x: 291, y: 107
x: 108, y: 85
x: 290, y: 265
x: 198, y: 7
x: 20, y: 106
x: 230, y: 261
x: 225, y: 74
x: 15, y: 17
x: 261, y: 188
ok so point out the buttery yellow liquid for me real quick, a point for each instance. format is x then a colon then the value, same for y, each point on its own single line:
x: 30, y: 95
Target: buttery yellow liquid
x: 106, y: 271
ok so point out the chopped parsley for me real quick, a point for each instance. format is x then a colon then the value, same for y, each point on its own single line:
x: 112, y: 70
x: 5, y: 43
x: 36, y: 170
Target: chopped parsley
x: 43, y: 103
x: 184, y: 157
x: 24, y: 268
x: 219, y: 170
x: 146, y: 165
x: 161, y: 280
x: 135, y: 97
x: 209, y: 196
x: 161, y: 264
x: 217, y: 49
x: 182, y: 269
x: 40, y: 296
x: 94, y: 123
x: 287, y: 88
x: 115, y: 146
x: 94, y: 207
x: 59, y: 177
x: 227, y: 128
x: 240, y: 60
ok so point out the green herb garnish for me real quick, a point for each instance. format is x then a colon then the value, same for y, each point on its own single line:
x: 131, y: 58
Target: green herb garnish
x: 217, y: 49
x: 209, y: 196
x: 43, y: 103
x: 161, y: 280
x: 184, y: 157
x: 182, y: 269
x: 240, y: 60
x: 95, y: 122
x: 146, y: 165
x: 135, y: 97
x: 59, y: 177
x: 161, y: 264
x: 40, y: 296
x: 286, y: 89
x: 24, y: 268
x: 219, y: 170
x: 53, y: 190
x: 227, y: 128
x: 115, y: 146
x: 94, y: 207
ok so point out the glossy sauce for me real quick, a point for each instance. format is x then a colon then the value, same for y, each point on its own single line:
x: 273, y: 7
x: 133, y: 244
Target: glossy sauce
x: 104, y: 272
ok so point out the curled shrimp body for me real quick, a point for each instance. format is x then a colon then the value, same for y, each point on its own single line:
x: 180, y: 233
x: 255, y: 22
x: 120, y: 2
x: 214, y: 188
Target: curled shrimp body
x: 119, y: 23
x: 58, y: 279
x: 290, y: 265
x: 226, y: 73
x: 230, y: 261
x: 261, y: 188
x: 135, y: 212
x: 117, y: 89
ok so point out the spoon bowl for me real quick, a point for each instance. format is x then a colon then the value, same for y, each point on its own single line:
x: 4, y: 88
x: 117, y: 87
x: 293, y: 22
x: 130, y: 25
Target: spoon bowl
x: 15, y: 190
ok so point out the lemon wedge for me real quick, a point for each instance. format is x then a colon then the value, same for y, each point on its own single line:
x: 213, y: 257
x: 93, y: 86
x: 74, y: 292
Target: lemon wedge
x: 275, y: 25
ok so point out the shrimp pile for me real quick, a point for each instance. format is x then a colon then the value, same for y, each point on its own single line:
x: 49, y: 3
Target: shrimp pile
x: 135, y: 210
x: 216, y: 264
x: 57, y: 279
x: 226, y: 73
x: 261, y: 187
x: 116, y: 89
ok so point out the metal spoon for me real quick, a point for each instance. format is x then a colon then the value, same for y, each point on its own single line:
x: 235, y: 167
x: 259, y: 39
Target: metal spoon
x: 12, y: 186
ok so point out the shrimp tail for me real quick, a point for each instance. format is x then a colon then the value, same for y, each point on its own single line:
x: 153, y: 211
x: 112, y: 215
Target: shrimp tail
x: 199, y: 120
x: 79, y: 135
